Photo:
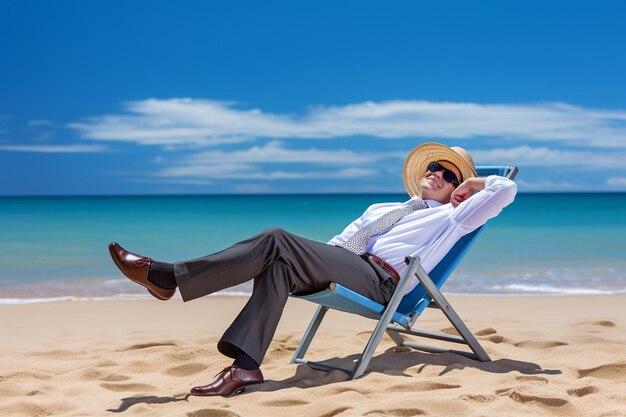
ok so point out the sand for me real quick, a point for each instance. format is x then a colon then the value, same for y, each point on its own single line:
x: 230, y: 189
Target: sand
x: 562, y: 356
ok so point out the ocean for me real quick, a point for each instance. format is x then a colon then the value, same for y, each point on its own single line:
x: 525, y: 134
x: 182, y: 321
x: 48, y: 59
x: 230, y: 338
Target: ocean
x: 55, y: 248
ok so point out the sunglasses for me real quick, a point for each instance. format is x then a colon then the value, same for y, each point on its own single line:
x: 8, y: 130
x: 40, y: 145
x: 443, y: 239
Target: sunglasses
x: 448, y: 175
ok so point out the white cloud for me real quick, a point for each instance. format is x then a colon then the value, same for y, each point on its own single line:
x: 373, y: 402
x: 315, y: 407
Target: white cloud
x: 342, y: 173
x: 246, y: 163
x: 616, y: 182
x: 547, y: 185
x: 207, y: 122
x: 545, y: 156
x: 54, y: 149
x: 274, y: 152
x: 252, y: 172
x: 252, y: 163
x: 190, y: 181
x: 220, y: 170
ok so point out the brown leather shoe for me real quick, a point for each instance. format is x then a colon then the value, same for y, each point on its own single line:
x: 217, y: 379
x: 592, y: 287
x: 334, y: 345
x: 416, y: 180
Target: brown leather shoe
x: 136, y: 268
x: 230, y: 380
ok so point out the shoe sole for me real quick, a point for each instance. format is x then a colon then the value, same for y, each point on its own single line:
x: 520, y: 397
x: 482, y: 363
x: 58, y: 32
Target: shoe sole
x: 231, y: 394
x: 133, y: 280
x: 242, y: 389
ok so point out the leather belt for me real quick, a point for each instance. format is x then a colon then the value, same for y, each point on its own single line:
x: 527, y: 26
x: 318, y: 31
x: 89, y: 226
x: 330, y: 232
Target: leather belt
x: 384, y: 265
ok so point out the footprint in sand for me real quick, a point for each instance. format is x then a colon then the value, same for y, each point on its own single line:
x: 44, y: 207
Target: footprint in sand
x: 97, y: 375
x: 360, y: 390
x: 478, y: 398
x: 449, y: 330
x: 212, y: 412
x: 612, y: 371
x: 496, y: 338
x: 114, y: 378
x: 26, y: 375
x: 186, y: 369
x: 279, y: 351
x: 147, y: 345
x: 128, y: 387
x: 524, y: 398
x: 185, y: 354
x: 106, y: 364
x: 283, y: 347
x: 400, y: 412
x: 285, y: 403
x: 140, y: 366
x: 486, y: 332
x: 336, y: 411
x: 422, y: 386
x: 527, y: 378
x: 601, y: 323
x: 582, y: 391
x: 539, y: 344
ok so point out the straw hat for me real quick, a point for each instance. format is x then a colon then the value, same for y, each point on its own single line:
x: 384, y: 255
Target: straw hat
x: 417, y: 162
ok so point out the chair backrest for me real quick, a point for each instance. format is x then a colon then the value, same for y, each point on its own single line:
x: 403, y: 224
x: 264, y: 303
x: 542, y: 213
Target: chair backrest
x: 418, y: 299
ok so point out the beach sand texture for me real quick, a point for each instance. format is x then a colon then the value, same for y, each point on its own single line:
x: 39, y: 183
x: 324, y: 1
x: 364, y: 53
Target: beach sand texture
x: 563, y: 356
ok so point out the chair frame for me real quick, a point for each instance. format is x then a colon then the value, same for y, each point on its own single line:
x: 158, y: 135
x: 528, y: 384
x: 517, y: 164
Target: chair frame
x: 386, y: 319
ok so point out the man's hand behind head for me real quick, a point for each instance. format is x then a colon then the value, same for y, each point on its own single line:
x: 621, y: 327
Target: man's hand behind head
x: 466, y: 189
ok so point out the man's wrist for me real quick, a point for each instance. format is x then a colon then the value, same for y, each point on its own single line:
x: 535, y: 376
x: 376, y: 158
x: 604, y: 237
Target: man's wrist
x: 475, y: 183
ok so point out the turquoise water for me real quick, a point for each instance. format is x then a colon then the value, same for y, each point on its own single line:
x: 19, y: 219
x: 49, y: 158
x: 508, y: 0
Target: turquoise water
x: 54, y: 247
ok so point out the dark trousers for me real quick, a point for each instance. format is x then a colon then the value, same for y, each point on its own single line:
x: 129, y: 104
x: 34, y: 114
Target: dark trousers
x: 280, y: 263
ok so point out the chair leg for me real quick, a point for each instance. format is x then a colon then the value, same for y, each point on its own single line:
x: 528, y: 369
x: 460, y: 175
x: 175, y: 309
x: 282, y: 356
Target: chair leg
x: 310, y: 333
x: 369, y: 350
x: 451, y: 315
x: 377, y: 334
x: 396, y: 337
x: 385, y: 319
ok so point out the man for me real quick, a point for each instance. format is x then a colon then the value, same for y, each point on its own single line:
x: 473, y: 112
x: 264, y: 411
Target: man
x: 448, y: 201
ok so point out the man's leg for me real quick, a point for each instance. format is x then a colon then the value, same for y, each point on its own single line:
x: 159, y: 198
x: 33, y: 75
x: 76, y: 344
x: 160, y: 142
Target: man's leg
x: 313, y: 265
x: 289, y: 264
x: 281, y: 263
x: 252, y: 331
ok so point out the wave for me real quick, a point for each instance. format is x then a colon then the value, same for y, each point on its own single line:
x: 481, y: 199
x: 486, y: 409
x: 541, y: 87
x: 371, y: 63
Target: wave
x: 117, y: 297
x: 545, y: 289
x: 548, y: 281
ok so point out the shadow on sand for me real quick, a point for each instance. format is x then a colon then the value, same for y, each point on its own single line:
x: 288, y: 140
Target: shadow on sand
x: 149, y: 399
x: 307, y: 377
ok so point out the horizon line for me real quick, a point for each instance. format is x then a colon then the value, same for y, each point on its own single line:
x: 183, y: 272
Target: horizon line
x: 277, y: 194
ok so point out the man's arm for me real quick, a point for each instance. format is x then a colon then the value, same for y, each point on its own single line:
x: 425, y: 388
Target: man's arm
x: 467, y: 189
x: 477, y: 200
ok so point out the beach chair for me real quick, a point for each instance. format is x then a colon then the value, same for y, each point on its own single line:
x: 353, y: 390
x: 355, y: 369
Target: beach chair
x: 402, y: 311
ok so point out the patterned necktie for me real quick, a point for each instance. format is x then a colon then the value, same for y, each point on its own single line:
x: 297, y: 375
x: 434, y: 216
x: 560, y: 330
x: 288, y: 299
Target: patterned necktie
x: 358, y: 241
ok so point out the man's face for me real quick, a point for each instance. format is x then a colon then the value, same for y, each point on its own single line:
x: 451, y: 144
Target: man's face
x: 433, y: 186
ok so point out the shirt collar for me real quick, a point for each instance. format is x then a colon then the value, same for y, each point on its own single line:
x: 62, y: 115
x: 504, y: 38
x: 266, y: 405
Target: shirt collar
x: 431, y: 203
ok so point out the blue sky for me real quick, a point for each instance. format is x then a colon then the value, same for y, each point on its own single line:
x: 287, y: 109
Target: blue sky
x: 195, y: 97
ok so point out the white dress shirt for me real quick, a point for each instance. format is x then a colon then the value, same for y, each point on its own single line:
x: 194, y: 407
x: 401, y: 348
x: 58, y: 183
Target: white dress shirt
x: 431, y: 233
